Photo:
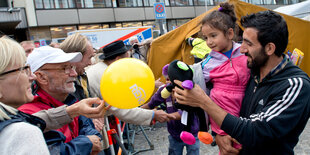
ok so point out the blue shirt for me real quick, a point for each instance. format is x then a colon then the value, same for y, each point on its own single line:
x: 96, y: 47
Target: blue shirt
x: 228, y: 53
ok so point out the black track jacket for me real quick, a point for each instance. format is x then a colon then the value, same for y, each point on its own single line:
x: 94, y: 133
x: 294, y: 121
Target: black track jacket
x: 274, y: 112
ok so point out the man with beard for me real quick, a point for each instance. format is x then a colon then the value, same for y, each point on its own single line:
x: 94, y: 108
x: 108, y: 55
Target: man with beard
x: 276, y: 106
x: 56, y: 74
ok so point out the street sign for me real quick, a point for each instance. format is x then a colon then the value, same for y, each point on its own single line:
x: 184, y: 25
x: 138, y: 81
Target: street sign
x: 159, y: 9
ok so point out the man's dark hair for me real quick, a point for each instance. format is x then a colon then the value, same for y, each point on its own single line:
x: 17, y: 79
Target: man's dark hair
x: 271, y: 28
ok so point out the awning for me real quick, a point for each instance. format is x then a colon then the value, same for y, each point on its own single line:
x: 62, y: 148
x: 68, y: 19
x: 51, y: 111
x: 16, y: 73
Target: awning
x: 8, y: 27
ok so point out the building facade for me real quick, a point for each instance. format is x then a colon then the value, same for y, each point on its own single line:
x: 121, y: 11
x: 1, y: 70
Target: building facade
x: 51, y: 20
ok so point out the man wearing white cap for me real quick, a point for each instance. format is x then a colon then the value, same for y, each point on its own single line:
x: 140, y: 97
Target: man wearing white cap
x: 55, y: 81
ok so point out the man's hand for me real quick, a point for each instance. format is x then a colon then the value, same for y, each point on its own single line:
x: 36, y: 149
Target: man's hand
x: 162, y: 116
x: 225, y: 144
x: 158, y: 83
x: 98, y: 122
x: 191, y: 97
x: 97, y: 145
x: 84, y: 107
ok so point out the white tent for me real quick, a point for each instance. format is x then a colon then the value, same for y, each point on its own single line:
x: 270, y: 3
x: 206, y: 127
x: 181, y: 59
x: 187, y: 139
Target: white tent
x: 299, y: 10
x: 307, y: 18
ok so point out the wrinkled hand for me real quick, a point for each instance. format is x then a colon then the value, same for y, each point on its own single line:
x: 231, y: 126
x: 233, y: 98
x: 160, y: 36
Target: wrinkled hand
x: 97, y: 145
x: 84, y: 107
x: 162, y: 116
x: 191, y: 97
x: 225, y: 143
x: 158, y: 83
x: 98, y: 122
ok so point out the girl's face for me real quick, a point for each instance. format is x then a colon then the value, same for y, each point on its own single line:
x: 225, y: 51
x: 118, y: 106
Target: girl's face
x: 216, y: 39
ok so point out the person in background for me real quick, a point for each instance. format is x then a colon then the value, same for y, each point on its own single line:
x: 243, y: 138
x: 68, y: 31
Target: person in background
x: 28, y: 46
x: 56, y: 74
x: 21, y: 133
x: 55, y: 45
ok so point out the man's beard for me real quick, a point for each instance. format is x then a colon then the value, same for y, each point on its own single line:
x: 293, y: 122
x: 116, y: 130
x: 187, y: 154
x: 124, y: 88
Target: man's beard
x: 259, y: 61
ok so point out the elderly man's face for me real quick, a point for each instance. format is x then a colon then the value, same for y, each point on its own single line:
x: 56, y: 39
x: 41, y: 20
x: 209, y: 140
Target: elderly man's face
x: 86, y: 60
x: 60, y: 77
x: 252, y: 48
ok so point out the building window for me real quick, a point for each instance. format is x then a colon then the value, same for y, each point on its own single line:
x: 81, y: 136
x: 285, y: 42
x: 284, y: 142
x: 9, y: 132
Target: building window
x: 48, y: 4
x: 181, y: 2
x: 39, y: 4
x: 93, y: 3
x: 151, y: 2
x: 61, y: 32
x: 175, y: 23
x: 132, y: 24
x: 203, y: 2
x: 89, y: 27
x: 54, y: 4
x: 151, y: 23
x: 128, y: 3
x: 105, y: 26
x: 37, y: 33
x: 4, y: 3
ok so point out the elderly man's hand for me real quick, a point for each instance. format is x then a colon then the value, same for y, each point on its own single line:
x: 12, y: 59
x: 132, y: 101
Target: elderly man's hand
x: 85, y: 108
x: 191, y: 97
x: 161, y: 116
x: 225, y: 143
x: 97, y: 145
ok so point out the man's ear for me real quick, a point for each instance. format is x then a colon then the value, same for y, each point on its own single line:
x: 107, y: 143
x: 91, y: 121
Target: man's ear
x: 230, y: 33
x: 42, y: 77
x: 270, y: 48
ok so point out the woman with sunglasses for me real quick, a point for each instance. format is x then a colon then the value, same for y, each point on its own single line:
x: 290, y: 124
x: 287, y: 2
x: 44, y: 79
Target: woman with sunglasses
x: 21, y: 133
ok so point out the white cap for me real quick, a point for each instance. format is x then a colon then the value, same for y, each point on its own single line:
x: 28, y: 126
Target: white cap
x: 46, y: 54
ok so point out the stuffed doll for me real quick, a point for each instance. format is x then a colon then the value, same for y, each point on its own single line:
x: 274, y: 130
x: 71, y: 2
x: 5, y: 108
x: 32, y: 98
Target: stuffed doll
x: 178, y: 70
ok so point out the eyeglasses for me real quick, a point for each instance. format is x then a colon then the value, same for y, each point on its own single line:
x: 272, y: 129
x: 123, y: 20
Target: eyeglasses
x: 66, y: 69
x: 25, y: 68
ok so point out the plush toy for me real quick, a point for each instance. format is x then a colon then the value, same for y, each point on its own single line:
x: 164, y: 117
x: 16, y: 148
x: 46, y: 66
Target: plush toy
x: 178, y: 70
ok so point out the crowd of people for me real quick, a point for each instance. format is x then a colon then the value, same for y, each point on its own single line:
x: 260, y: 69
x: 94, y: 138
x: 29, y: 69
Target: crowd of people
x: 256, y: 99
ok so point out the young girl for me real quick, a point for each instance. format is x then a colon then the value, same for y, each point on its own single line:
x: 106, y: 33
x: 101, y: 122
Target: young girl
x: 225, y: 67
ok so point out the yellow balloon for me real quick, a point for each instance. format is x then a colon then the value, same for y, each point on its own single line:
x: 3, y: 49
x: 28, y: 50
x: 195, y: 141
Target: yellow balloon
x: 127, y: 83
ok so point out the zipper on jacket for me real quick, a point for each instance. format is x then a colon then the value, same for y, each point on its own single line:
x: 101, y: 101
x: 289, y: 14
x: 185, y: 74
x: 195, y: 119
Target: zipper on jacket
x: 254, y: 89
x: 230, y: 62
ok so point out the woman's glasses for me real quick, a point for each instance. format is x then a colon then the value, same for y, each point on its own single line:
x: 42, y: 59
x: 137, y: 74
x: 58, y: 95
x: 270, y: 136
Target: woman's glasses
x: 25, y: 68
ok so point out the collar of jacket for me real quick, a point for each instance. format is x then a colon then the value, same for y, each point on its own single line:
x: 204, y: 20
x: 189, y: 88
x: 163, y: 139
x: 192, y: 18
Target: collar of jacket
x: 275, y: 70
x: 44, y: 97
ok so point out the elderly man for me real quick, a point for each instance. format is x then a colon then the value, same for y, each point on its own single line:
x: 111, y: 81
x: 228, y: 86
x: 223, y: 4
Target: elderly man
x: 28, y: 46
x: 276, y: 106
x: 55, y: 81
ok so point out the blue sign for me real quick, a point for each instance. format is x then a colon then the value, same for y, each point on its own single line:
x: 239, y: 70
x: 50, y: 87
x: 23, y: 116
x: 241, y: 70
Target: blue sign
x: 43, y: 42
x: 159, y: 9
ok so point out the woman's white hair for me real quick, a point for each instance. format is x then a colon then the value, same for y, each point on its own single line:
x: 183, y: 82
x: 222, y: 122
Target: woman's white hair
x: 11, y: 53
x: 5, y: 110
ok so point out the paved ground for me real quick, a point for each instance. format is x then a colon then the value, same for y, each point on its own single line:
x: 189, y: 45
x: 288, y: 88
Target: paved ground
x: 159, y: 137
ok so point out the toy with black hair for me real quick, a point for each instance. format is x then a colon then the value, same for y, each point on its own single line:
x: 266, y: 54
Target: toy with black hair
x: 178, y: 70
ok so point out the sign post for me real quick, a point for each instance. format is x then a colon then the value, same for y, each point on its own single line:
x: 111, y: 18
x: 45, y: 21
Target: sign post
x: 160, y: 15
x: 160, y: 12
